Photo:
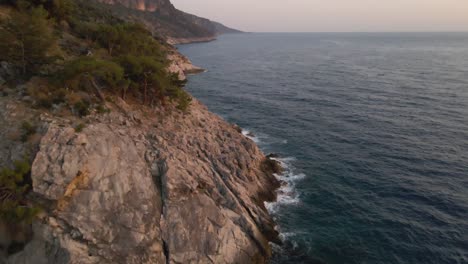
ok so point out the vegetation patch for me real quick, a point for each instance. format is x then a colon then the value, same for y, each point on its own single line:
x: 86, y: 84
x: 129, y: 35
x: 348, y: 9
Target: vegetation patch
x: 27, y: 130
x: 114, y: 56
x: 79, y: 128
x: 14, y: 185
x: 27, y: 39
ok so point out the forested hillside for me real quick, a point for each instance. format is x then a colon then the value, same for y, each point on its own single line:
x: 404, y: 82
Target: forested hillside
x: 166, y: 21
x: 74, y: 53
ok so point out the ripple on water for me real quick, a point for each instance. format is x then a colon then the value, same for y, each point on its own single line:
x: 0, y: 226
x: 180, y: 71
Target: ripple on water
x: 378, y: 128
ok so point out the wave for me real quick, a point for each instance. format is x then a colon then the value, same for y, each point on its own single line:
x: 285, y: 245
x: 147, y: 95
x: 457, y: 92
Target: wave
x: 249, y: 134
x: 287, y: 193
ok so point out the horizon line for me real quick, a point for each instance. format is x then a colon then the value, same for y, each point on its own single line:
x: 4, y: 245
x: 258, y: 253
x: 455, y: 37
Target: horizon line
x: 376, y: 32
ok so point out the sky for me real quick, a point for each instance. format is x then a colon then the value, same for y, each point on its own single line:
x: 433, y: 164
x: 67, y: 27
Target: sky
x: 333, y: 15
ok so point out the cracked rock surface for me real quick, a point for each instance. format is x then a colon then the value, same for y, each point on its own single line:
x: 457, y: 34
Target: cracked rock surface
x: 145, y: 187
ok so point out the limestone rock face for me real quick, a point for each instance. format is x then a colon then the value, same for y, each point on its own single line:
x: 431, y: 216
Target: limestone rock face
x: 181, y: 65
x: 141, y: 187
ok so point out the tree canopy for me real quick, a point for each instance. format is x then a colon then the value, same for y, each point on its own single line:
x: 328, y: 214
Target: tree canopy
x: 27, y: 40
x: 127, y: 58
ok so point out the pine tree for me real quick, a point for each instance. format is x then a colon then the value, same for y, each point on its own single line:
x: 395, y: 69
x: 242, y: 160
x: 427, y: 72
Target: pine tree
x: 27, y: 40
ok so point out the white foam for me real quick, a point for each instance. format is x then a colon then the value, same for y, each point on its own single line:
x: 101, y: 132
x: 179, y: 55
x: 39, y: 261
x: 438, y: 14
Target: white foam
x: 293, y: 177
x: 285, y: 162
x: 250, y: 135
x: 286, y: 194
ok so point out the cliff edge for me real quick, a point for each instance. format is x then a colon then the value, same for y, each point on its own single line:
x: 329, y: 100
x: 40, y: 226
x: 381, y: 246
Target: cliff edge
x: 105, y: 158
x: 135, y: 186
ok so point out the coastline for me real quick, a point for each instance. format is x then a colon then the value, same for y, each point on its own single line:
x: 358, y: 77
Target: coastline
x: 180, y: 41
x: 176, y: 179
x: 276, y: 166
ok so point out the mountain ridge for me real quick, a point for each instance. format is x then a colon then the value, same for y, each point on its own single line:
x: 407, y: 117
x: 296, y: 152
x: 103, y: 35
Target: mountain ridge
x: 168, y: 22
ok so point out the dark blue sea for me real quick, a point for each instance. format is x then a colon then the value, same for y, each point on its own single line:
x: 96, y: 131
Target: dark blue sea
x: 373, y: 131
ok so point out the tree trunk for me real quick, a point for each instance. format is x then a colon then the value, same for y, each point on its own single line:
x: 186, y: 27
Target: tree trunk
x: 162, y: 98
x: 145, y: 90
x: 23, y: 56
x: 98, y: 89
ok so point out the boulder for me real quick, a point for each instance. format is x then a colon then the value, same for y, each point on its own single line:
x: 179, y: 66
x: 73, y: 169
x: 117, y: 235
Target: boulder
x: 6, y: 70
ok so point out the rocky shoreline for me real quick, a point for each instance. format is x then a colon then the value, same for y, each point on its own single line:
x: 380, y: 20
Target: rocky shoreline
x: 140, y: 185
x: 181, y: 65
x: 179, y: 41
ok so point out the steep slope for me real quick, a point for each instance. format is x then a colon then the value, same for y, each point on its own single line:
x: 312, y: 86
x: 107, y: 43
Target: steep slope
x: 168, y: 22
x: 131, y: 181
x: 135, y: 186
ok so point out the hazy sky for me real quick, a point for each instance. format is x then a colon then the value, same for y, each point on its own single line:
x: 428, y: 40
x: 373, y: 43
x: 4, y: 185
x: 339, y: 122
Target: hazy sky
x: 333, y: 15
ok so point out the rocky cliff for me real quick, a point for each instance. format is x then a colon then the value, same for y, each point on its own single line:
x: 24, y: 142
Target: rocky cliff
x: 180, y: 64
x: 168, y: 22
x: 140, y: 185
x: 126, y: 182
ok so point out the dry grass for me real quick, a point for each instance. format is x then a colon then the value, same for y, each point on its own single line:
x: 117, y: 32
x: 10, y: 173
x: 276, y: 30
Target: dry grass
x: 79, y: 182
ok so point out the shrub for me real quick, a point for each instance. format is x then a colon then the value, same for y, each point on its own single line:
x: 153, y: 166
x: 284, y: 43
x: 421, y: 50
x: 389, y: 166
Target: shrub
x: 28, y: 130
x: 45, y: 93
x: 13, y: 190
x: 144, y: 73
x: 128, y: 38
x: 61, y: 9
x: 72, y: 98
x: 79, y: 128
x: 91, y: 70
x: 101, y: 109
x: 58, y: 9
x: 82, y: 108
x: 183, y: 100
x: 27, y: 40
x: 43, y: 100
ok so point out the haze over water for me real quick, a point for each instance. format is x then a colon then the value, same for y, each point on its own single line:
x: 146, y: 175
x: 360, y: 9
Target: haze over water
x: 333, y: 15
x: 373, y: 130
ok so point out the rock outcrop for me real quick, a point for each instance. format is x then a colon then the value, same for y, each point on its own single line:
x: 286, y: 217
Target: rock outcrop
x: 146, y: 186
x: 181, y: 65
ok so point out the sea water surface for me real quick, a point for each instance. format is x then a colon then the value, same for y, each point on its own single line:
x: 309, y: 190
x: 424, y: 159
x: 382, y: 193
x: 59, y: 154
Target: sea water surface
x: 373, y: 131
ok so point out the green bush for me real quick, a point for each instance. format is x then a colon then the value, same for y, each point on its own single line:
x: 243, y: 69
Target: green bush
x: 13, y: 190
x: 28, y: 130
x: 148, y: 77
x: 91, y: 69
x: 79, y: 128
x: 46, y: 94
x: 101, y: 109
x: 58, y: 9
x: 135, y: 62
x: 61, y: 9
x: 27, y: 40
x: 183, y: 100
x: 145, y: 74
x: 128, y: 38
x: 82, y: 108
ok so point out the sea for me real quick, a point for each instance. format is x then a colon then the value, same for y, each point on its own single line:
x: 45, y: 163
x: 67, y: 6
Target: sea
x: 371, y: 128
